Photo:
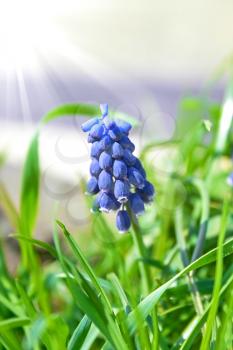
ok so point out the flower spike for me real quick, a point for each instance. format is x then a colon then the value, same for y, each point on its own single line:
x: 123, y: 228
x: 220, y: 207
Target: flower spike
x: 117, y: 176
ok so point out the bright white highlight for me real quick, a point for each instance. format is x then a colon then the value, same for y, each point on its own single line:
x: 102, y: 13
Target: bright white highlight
x: 26, y: 27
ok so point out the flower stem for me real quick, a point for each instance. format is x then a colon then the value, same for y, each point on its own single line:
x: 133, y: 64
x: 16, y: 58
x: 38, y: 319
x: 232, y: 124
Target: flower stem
x: 138, y: 241
x: 144, y: 271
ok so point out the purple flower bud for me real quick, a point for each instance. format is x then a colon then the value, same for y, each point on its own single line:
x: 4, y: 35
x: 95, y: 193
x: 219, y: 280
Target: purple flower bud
x: 95, y: 149
x: 123, y: 126
x: 138, y: 165
x: 136, y: 178
x: 121, y: 190
x: 119, y: 169
x: 105, y: 181
x: 147, y: 193
x: 129, y: 158
x: 117, y: 150
x: 104, y: 109
x: 126, y: 143
x: 123, y: 221
x: 106, y: 203
x: 109, y: 123
x: 117, y: 204
x: 105, y: 161
x: 90, y: 139
x: 92, y: 186
x: 105, y: 143
x: 95, y: 168
x: 136, y: 204
x: 89, y: 124
x: 115, y: 133
x: 97, y: 131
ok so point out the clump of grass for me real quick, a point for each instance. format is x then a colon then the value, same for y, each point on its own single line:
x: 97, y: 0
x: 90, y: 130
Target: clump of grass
x: 165, y: 285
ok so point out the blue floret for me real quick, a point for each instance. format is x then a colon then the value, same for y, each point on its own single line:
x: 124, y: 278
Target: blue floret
x: 123, y: 221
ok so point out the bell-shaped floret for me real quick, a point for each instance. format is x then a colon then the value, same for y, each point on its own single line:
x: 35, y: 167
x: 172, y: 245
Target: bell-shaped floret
x: 123, y: 221
x: 121, y: 190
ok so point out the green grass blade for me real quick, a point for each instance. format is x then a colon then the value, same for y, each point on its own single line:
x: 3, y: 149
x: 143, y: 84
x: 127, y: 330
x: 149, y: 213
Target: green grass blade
x: 30, y: 188
x: 145, y: 306
x: 218, y: 280
x: 71, y: 110
x: 26, y: 301
x: 15, y: 322
x: 82, y: 299
x: 187, y: 344
x: 85, y: 265
x: 90, y: 338
x: 43, y: 245
x: 119, y: 290
x: 9, y: 341
x: 112, y: 324
x: 79, y: 335
x: 224, y: 335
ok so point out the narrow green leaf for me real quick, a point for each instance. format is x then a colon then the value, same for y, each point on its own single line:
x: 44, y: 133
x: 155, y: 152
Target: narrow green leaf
x: 119, y: 289
x: 87, y: 268
x: 218, y: 280
x: 187, y: 344
x: 82, y: 299
x: 90, y: 338
x: 116, y: 336
x: 26, y: 301
x: 10, y: 341
x: 38, y: 243
x: 146, y: 305
x: 71, y: 110
x: 16, y: 322
x: 79, y: 335
x: 30, y: 188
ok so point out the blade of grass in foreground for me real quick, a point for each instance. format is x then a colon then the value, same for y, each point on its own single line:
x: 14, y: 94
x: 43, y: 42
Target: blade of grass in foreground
x: 9, y: 341
x: 112, y: 324
x: 16, y: 322
x: 82, y: 300
x: 29, y: 200
x: 79, y: 335
x: 85, y: 265
x: 218, y: 280
x: 198, y: 325
x: 90, y: 338
x: 30, y: 188
x: 145, y: 306
x: 224, y: 336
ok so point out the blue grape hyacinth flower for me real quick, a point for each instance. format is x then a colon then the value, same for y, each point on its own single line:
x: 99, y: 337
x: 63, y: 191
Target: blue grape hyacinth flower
x: 118, y: 178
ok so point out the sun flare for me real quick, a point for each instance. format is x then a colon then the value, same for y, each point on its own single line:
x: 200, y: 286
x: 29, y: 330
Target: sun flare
x: 26, y: 27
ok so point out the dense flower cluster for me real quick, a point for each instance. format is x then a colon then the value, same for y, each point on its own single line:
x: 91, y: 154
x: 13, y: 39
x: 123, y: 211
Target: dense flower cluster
x: 117, y: 176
